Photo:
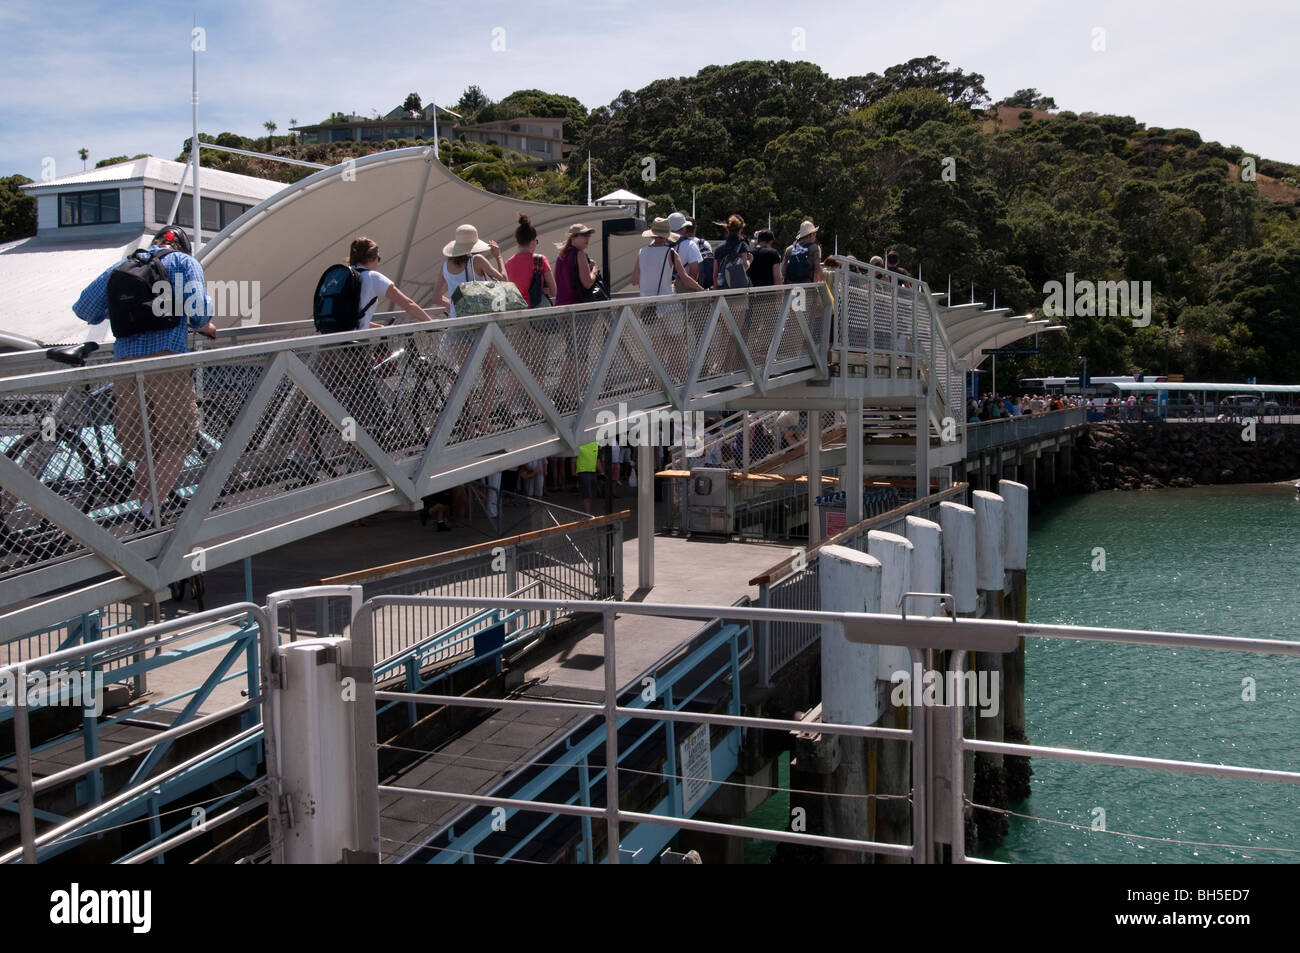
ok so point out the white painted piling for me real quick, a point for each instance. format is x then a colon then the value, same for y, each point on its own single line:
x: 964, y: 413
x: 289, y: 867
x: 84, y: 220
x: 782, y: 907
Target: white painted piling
x: 316, y: 753
x: 990, y: 540
x: 1015, y: 606
x: 1015, y: 524
x: 895, y: 555
x: 926, y: 538
x: 958, y: 524
x: 849, y: 582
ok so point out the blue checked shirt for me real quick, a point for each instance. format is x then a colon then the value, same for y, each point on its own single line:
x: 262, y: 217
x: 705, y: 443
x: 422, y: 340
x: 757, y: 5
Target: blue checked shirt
x: 92, y: 307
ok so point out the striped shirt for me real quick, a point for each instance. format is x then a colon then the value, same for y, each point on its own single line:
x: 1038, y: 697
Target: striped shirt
x: 92, y: 307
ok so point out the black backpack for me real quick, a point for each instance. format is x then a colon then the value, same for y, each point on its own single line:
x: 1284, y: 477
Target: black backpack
x: 336, y: 305
x: 707, y: 264
x: 133, y: 295
x: 732, y: 273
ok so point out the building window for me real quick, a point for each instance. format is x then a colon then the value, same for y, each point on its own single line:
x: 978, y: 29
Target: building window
x: 89, y: 208
x: 216, y: 213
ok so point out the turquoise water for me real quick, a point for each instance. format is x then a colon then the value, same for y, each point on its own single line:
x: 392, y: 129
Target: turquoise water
x: 1211, y: 560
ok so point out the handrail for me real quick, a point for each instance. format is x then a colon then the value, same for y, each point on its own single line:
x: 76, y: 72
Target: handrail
x: 782, y: 568
x: 478, y: 549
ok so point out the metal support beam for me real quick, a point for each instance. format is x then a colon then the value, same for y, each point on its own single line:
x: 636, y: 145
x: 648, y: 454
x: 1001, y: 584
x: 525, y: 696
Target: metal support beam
x: 814, y: 476
x: 853, y: 478
x: 645, y: 516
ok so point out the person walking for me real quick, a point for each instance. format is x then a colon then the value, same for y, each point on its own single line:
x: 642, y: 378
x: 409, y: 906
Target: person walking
x: 465, y: 262
x: 168, y: 399
x: 530, y: 272
x: 687, y: 247
x: 733, y: 256
x: 575, y: 272
x: 802, y: 261
x: 363, y: 255
x: 661, y: 261
x: 765, y: 269
x: 588, y: 466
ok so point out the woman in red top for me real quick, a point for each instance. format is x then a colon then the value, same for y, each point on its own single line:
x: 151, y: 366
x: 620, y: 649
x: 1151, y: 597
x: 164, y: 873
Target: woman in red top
x: 522, y: 264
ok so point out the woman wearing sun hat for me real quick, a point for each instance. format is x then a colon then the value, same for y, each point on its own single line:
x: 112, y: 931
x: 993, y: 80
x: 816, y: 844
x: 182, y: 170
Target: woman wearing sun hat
x: 652, y: 274
x: 465, y: 262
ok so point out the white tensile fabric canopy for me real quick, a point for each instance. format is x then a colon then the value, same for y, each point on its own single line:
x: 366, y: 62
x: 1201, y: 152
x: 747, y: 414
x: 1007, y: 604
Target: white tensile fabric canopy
x: 410, y: 204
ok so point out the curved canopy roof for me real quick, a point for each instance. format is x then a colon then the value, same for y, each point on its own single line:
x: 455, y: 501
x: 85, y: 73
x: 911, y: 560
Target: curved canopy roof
x: 408, y: 202
x: 1001, y: 337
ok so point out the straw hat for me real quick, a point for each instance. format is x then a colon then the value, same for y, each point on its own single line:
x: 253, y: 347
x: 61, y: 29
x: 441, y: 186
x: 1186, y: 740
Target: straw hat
x: 806, y: 228
x: 466, y: 243
x: 660, y: 229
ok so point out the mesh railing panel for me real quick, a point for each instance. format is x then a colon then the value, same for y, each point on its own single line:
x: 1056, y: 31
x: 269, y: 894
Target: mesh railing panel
x: 108, y: 439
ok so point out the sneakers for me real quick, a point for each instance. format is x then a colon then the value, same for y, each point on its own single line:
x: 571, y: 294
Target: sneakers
x: 443, y: 527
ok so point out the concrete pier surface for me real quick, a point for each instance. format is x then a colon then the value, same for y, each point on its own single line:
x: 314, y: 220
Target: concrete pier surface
x: 699, y: 571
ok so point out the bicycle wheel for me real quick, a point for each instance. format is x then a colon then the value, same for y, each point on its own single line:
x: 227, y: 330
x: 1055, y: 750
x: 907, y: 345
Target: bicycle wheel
x: 65, y: 467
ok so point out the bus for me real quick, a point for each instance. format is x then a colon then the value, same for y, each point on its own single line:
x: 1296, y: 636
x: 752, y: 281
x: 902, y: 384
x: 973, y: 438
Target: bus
x: 1098, y: 387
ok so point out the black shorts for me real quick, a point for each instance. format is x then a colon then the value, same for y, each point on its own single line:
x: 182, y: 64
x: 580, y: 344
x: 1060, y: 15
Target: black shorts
x: 587, y: 485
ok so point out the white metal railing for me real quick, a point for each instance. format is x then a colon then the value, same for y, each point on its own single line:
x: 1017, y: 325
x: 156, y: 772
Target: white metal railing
x: 939, y: 805
x: 290, y: 429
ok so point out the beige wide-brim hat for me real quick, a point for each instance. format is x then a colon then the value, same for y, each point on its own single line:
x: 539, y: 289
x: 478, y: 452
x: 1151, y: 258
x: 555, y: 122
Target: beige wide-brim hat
x: 466, y: 243
x: 805, y: 229
x: 659, y: 229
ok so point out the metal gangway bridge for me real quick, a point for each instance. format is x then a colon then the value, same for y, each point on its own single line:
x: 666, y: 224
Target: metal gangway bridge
x: 301, y: 433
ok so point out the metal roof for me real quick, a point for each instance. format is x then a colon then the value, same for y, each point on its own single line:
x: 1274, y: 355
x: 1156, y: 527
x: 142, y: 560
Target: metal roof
x: 155, y: 170
x: 405, y: 200
x: 43, y: 278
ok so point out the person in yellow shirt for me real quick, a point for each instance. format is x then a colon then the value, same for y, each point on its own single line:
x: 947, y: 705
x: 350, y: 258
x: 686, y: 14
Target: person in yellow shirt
x: 588, y: 467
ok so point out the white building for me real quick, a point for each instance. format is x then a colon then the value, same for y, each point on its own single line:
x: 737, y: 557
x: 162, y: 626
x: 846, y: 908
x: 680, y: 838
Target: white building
x: 87, y: 221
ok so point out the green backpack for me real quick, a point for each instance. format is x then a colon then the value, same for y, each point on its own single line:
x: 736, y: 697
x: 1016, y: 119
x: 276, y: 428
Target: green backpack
x: 487, y: 297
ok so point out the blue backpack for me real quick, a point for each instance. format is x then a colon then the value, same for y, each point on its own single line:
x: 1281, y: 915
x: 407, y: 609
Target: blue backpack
x: 336, y: 305
x: 798, y: 264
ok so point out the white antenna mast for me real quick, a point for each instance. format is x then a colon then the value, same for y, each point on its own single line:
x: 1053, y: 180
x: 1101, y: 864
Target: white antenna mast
x: 194, y: 145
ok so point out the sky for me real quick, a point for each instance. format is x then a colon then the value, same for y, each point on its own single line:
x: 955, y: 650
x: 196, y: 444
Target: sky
x: 116, y: 79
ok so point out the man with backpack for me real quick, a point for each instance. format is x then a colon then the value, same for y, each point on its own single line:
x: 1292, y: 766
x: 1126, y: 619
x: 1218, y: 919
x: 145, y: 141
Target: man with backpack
x: 688, y: 246
x: 802, y: 261
x: 152, y: 300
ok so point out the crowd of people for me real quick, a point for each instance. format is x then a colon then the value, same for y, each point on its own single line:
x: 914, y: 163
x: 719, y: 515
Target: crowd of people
x: 676, y: 260
x: 993, y: 406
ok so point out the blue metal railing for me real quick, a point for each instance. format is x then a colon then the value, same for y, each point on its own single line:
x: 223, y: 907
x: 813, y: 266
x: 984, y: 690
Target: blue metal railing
x: 672, y: 671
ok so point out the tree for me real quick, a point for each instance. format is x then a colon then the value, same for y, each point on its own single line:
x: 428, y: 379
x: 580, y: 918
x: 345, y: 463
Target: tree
x: 270, y: 128
x: 412, y: 102
x: 84, y: 153
x: 1028, y: 99
x: 17, y: 209
x: 472, y: 102
x: 930, y: 72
